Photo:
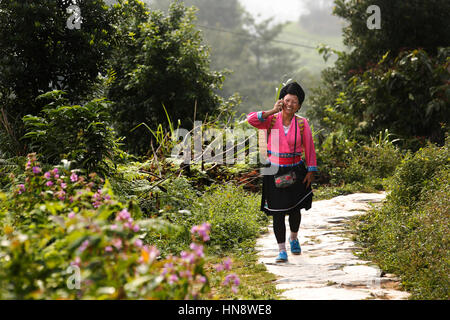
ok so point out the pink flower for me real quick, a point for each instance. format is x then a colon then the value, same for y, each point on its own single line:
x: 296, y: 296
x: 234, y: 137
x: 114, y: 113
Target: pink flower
x: 167, y: 268
x: 63, y: 185
x: 71, y: 214
x: 128, y: 225
x: 232, y: 278
x: 73, y: 177
x: 83, y: 246
x: 202, y: 230
x: 186, y: 274
x: 60, y: 194
x: 76, y: 262
x: 173, y: 278
x: 55, y: 171
x: 149, y: 254
x: 117, y: 243
x: 138, y: 243
x: 123, y: 215
x: 153, y: 253
x: 219, y: 267
x: 201, y: 279
x: 227, y: 264
x: 188, y: 257
x: 49, y: 183
x: 108, y: 249
x: 113, y: 227
x: 198, y: 249
x: 136, y: 228
x: 36, y: 170
x: 21, y: 188
x: 47, y: 175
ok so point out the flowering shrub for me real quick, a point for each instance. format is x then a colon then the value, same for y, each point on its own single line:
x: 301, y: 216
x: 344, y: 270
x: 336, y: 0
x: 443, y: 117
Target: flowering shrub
x: 231, y: 279
x: 64, y: 236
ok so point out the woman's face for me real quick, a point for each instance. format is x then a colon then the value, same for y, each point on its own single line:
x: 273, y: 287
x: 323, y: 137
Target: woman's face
x: 291, y: 104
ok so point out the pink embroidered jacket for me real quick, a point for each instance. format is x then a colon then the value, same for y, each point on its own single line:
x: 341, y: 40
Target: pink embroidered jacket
x: 283, y: 156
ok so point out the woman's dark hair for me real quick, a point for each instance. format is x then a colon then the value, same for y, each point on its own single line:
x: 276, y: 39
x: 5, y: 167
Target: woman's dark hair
x: 295, y: 89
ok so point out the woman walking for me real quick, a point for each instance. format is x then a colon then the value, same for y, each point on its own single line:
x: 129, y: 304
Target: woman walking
x: 290, y: 149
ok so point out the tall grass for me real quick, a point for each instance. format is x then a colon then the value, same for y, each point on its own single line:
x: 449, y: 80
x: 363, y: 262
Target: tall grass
x: 409, y: 234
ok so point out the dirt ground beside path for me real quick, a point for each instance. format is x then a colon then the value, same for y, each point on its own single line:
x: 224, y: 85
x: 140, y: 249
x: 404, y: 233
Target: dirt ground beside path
x: 327, y: 268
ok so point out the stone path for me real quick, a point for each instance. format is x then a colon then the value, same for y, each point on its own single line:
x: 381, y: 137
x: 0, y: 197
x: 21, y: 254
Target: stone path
x: 327, y: 268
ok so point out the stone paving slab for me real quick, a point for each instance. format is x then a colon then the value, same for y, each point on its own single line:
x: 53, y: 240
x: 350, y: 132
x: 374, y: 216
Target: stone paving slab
x: 327, y: 269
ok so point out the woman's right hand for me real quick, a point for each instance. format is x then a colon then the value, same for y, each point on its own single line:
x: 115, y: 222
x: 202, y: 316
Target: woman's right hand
x: 278, y: 106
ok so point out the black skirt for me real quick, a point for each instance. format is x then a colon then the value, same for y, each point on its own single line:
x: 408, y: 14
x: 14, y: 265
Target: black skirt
x: 286, y: 200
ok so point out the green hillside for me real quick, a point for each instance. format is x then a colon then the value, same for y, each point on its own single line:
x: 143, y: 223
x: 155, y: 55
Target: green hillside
x: 309, y: 58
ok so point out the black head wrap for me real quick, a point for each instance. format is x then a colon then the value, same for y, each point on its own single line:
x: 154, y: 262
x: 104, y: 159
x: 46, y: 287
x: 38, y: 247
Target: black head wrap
x: 295, y: 89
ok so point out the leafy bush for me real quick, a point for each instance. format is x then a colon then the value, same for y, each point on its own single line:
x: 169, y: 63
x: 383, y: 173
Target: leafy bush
x: 78, y: 133
x: 428, y: 259
x: 414, y: 174
x: 371, y: 164
x: 344, y: 161
x: 234, y: 215
x: 64, y: 235
x: 8, y: 168
x: 45, y: 53
x: 409, y: 234
x: 161, y: 61
x: 405, y: 94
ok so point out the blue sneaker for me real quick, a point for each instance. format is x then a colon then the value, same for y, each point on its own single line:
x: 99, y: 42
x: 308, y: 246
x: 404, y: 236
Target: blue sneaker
x: 282, y: 257
x: 295, y: 246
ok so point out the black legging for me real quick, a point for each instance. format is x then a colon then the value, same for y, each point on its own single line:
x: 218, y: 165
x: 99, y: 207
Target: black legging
x: 279, y: 225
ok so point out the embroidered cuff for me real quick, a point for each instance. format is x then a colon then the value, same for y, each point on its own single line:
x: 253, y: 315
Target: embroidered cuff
x: 312, y: 168
x: 260, y: 114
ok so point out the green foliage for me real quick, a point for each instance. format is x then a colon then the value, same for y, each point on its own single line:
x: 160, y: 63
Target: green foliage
x: 394, y: 78
x: 412, y: 24
x: 344, y: 161
x: 407, y: 95
x: 335, y: 151
x: 416, y: 84
x: 233, y: 213
x: 8, y: 169
x: 414, y: 172
x: 39, y: 53
x: 81, y: 134
x: 66, y: 236
x: 161, y: 61
x: 409, y: 234
x: 371, y: 164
